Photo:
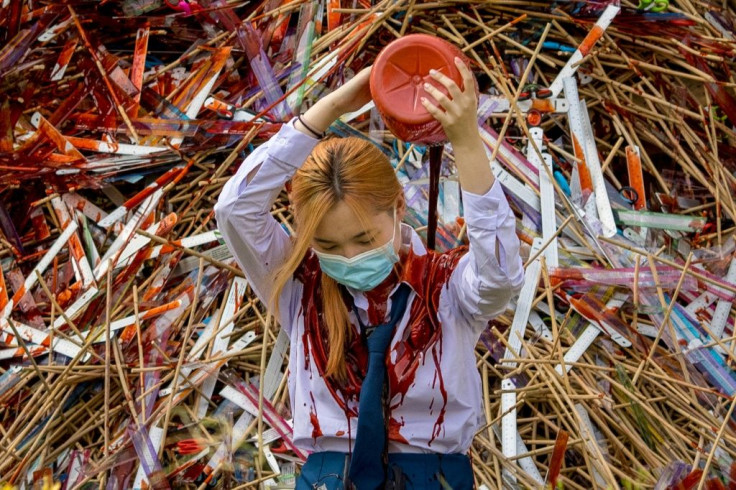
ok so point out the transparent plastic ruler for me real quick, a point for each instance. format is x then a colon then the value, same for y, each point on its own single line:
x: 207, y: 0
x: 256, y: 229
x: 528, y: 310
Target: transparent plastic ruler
x: 155, y: 434
x: 222, y: 337
x: 540, y: 328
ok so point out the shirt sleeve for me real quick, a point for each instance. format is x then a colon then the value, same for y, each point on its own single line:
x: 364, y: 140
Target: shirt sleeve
x: 243, y: 210
x: 482, y: 284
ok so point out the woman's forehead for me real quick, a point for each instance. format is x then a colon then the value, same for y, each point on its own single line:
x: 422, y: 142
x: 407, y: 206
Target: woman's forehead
x: 341, y: 223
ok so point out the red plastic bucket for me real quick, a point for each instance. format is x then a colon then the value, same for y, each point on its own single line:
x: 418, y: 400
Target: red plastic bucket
x: 397, y: 85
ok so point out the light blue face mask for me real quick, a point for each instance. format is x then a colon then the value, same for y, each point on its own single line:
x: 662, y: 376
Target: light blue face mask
x: 364, y: 271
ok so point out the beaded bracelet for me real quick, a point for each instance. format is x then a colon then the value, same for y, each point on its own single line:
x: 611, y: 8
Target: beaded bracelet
x: 315, y: 133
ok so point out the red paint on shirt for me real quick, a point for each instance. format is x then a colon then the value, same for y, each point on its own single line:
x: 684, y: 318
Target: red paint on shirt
x: 316, y: 430
x: 394, y: 431
x: 427, y: 275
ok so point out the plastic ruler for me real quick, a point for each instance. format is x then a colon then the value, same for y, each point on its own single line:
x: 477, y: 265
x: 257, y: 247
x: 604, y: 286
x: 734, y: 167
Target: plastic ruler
x: 526, y: 463
x: 603, y: 204
x: 515, y: 186
x: 723, y: 307
x: 524, y: 305
x: 187, y: 242
x: 32, y: 278
x: 273, y: 368
x: 502, y: 104
x: 613, y: 303
x: 546, y: 193
x: 539, y: 326
x: 588, y: 433
x: 82, y: 269
x: 509, y: 430
x: 574, y: 121
x: 236, y: 438
x: 584, y: 48
x: 586, y: 339
x: 148, y: 205
x: 155, y: 435
x: 508, y: 154
x: 219, y: 345
x: 271, y: 435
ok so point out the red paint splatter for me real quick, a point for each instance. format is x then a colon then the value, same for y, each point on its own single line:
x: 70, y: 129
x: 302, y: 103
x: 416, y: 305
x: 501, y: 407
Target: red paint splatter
x: 394, y: 431
x: 316, y: 430
x: 441, y: 417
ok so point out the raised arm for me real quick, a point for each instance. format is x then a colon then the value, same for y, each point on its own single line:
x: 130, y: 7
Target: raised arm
x: 492, y: 272
x: 243, y: 210
x: 254, y: 237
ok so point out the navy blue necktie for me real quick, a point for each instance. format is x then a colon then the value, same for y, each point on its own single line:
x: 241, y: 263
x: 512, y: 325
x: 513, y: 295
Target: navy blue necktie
x: 367, y: 466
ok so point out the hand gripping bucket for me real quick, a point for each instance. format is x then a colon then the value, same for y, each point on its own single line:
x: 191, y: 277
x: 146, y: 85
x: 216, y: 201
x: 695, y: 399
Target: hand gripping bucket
x: 397, y: 85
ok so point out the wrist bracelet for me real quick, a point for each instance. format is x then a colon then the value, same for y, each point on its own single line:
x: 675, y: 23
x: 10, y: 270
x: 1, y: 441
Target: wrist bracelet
x: 317, y: 135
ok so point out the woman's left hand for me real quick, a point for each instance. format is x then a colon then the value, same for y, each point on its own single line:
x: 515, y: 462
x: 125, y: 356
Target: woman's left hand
x: 457, y: 111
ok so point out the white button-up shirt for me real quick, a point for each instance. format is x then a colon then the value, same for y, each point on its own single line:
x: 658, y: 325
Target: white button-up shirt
x: 435, y: 387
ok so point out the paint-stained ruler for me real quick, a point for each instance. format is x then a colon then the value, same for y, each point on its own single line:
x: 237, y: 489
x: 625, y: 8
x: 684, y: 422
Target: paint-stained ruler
x: 584, y: 47
x: 586, y: 339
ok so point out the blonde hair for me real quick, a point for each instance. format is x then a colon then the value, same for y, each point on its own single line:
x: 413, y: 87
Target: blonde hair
x: 352, y: 170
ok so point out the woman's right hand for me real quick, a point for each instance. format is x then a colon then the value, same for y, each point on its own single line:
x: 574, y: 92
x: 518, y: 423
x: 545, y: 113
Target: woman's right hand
x: 352, y: 95
x: 347, y: 98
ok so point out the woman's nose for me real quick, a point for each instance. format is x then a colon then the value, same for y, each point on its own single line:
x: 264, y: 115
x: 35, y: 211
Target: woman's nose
x: 350, y: 251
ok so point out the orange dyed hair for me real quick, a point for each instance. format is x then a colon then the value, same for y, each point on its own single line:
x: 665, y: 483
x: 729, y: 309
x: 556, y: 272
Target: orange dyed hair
x: 352, y: 170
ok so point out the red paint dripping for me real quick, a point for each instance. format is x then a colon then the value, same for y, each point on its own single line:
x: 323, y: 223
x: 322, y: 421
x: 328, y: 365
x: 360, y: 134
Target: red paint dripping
x: 441, y: 417
x: 394, y: 431
x: 316, y: 430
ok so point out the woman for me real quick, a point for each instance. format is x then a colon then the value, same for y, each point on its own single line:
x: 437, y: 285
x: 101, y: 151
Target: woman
x: 407, y: 419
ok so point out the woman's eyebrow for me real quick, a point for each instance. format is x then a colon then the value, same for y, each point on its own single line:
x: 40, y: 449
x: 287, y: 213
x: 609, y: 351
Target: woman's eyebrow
x: 356, y: 237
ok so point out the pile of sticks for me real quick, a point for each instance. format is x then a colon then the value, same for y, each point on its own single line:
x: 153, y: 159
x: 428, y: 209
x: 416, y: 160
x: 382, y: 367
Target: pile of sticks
x: 134, y: 354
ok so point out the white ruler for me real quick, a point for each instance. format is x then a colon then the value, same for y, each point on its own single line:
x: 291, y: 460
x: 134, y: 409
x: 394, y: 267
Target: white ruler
x: 723, y: 307
x: 603, y: 204
x: 588, y: 433
x: 547, y: 194
x: 509, y: 430
x: 584, y: 48
x: 586, y: 339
